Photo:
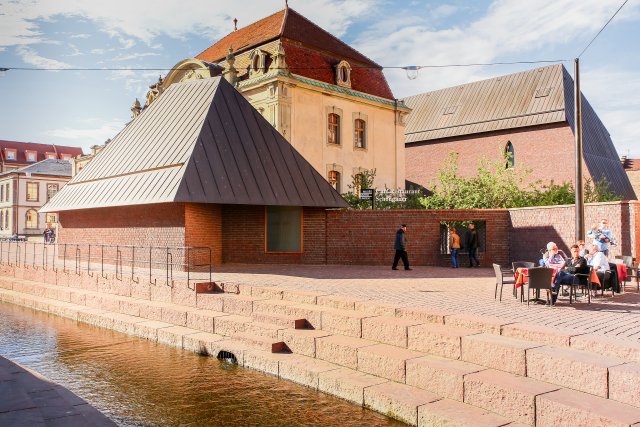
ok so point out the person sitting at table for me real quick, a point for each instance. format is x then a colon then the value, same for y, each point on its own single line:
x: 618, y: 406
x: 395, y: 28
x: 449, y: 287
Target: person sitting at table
x: 583, y: 251
x: 552, y: 257
x: 575, y: 265
x: 599, y: 262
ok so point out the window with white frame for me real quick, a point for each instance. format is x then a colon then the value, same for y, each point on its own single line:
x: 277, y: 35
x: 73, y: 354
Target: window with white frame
x: 334, y: 179
x: 52, y: 189
x: 31, y: 219
x: 32, y: 191
x: 51, y: 218
x: 32, y: 156
x: 333, y: 131
x: 360, y: 133
x: 10, y: 154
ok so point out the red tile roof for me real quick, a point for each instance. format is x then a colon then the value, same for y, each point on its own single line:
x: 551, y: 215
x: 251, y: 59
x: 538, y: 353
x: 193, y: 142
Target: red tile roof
x: 40, y: 149
x: 310, y: 51
x: 631, y: 164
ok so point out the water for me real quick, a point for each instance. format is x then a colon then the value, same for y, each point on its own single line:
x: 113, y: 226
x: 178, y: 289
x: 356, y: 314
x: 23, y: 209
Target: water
x: 141, y: 383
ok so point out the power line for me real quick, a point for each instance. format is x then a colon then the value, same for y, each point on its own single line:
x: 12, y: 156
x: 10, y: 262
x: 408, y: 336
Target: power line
x: 403, y: 67
x: 602, y: 29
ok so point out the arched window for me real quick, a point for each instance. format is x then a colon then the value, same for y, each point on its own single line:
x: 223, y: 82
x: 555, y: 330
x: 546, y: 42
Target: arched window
x: 360, y: 133
x: 509, y: 156
x: 333, y: 134
x: 256, y: 63
x: 334, y: 179
x: 31, y: 219
x: 343, y: 74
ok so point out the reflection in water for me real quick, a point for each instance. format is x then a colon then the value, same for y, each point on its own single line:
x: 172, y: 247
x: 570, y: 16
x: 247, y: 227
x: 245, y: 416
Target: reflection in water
x: 141, y: 383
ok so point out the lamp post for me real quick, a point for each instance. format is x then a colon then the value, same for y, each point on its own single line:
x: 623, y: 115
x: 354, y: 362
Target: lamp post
x: 578, y: 140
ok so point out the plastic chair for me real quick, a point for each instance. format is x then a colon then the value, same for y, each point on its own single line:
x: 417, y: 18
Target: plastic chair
x: 539, y: 279
x: 632, y: 270
x: 500, y: 280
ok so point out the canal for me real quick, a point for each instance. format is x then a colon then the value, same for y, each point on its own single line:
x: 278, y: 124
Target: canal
x: 141, y: 383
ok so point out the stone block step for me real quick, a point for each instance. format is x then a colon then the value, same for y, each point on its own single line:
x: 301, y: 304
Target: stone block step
x: 261, y: 343
x: 344, y: 322
x: 312, y: 313
x: 450, y: 413
x: 487, y: 324
x: 573, y: 408
x: 347, y: 384
x: 305, y: 370
x: 399, y: 401
x: 230, y: 325
x: 340, y: 302
x: 239, y: 304
x: 340, y: 349
x: 388, y: 330
x: 290, y: 322
x: 266, y: 330
x: 386, y: 361
x: 201, y: 343
x: 439, y: 375
x: 624, y: 383
x: 425, y: 315
x: 302, y: 341
x: 497, y: 352
x: 439, y: 340
x: 608, y: 346
x: 576, y: 369
x: 203, y: 320
x: 539, y: 333
x: 506, y: 394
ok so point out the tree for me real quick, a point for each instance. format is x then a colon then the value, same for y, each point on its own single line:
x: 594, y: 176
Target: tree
x: 365, y: 179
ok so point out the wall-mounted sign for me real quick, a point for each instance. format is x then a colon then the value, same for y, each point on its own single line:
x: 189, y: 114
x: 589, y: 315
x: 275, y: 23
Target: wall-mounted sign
x: 366, y: 194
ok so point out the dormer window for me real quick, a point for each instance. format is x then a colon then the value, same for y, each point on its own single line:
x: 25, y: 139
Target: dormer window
x: 65, y: 156
x: 10, y: 154
x: 31, y: 156
x: 258, y: 62
x: 50, y: 156
x: 343, y: 74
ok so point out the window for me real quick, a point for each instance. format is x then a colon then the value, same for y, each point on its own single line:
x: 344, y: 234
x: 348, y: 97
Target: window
x: 31, y: 219
x: 2, y: 219
x: 509, y: 154
x: 51, y: 218
x: 333, y: 135
x: 6, y: 219
x: 358, y: 179
x: 50, y: 156
x: 334, y: 179
x: 65, y: 156
x: 32, y: 191
x: 283, y: 229
x: 6, y: 192
x: 343, y: 74
x: 360, y: 133
x: 52, y: 189
x: 10, y: 154
x: 2, y: 194
x: 31, y: 156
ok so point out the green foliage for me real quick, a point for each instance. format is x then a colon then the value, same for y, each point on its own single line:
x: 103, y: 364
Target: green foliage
x: 495, y: 186
x: 365, y: 179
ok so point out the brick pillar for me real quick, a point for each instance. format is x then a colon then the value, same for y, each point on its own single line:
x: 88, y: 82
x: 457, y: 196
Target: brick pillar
x: 203, y: 228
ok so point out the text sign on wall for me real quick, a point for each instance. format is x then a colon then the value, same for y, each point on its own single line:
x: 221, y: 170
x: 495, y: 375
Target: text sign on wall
x: 366, y: 194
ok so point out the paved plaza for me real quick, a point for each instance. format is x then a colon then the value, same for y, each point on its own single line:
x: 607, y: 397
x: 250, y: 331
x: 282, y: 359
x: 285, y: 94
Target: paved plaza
x: 462, y: 290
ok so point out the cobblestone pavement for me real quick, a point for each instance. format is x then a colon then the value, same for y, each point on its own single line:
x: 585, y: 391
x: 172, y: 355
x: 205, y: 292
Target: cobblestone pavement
x: 462, y: 290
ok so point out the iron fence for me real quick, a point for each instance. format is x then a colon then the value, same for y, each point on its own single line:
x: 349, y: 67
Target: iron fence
x: 133, y: 260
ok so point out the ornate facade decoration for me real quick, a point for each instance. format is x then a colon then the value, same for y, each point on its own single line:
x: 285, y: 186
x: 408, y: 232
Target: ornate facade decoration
x: 343, y: 74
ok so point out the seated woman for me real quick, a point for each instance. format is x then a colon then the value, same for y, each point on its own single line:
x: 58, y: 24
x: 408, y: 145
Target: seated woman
x: 552, y: 257
x: 599, y: 262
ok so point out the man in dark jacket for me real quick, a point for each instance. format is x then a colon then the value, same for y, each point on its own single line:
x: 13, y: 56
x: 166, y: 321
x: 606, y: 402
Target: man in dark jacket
x: 401, y: 248
x: 566, y: 276
x: 471, y: 243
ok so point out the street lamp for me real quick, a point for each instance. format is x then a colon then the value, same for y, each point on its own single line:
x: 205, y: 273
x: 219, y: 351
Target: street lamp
x: 412, y: 71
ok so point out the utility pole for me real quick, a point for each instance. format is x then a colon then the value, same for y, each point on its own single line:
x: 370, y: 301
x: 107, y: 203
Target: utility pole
x: 578, y: 138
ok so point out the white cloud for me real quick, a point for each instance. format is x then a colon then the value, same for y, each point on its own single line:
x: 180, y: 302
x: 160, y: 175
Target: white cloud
x: 31, y: 57
x: 80, y: 36
x: 134, y: 56
x: 88, y: 136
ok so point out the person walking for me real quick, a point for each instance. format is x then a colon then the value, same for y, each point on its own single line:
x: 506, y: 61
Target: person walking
x: 471, y: 243
x: 401, y: 248
x: 454, y: 246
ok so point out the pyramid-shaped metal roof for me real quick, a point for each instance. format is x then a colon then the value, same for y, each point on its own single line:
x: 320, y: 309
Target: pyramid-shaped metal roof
x: 200, y: 142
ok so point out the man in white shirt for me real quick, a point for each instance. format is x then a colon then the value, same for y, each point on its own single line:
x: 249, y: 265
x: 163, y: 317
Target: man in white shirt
x: 599, y: 262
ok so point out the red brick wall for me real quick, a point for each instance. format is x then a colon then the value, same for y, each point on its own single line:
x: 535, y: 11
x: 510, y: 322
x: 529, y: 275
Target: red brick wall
x: 147, y: 225
x: 547, y: 149
x: 367, y: 237
x: 203, y: 227
x: 243, y: 237
x: 533, y: 228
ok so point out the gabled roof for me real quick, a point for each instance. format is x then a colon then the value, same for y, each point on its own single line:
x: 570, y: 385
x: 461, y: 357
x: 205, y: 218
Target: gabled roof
x: 202, y: 142
x: 527, y: 98
x: 40, y: 149
x: 310, y: 51
x: 631, y: 164
x: 51, y: 167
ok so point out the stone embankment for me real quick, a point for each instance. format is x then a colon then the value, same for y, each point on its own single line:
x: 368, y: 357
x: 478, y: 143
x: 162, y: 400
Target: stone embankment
x: 426, y: 367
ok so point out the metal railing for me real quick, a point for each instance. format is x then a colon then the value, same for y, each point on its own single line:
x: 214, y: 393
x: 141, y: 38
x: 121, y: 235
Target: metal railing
x: 135, y: 260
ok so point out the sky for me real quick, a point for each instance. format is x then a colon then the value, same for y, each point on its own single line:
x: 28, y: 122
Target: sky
x: 85, y: 108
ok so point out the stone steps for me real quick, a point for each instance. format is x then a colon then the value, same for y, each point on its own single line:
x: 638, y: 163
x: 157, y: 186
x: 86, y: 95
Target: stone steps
x: 404, y: 349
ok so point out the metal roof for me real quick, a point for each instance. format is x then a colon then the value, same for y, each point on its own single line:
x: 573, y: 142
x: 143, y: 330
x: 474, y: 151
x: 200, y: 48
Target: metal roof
x: 202, y: 142
x: 45, y: 167
x: 522, y: 99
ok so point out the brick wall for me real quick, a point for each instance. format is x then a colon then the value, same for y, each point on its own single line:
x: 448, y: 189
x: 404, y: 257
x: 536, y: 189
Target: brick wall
x: 533, y: 147
x: 243, y: 237
x: 533, y: 228
x: 367, y: 237
x: 203, y: 228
